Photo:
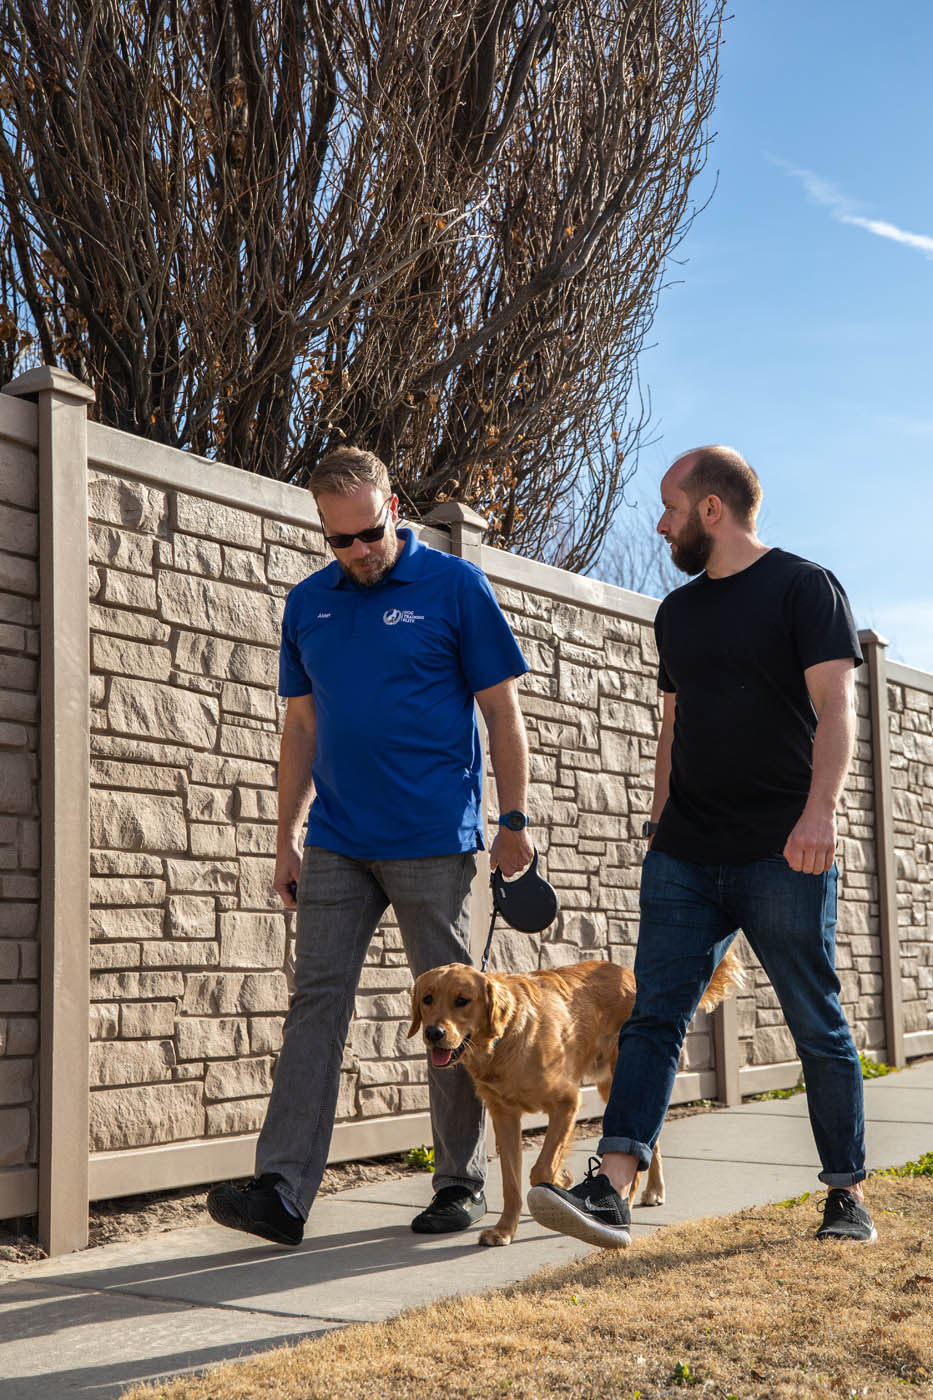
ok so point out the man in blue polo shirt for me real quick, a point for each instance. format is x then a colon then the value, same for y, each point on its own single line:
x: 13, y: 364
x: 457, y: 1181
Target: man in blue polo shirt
x: 383, y: 653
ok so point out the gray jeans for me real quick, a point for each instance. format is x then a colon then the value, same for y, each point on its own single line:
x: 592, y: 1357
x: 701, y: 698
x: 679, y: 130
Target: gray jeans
x: 340, y: 903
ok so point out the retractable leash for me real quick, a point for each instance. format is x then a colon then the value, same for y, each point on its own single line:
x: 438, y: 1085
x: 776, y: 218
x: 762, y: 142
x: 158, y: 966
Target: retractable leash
x: 528, y: 903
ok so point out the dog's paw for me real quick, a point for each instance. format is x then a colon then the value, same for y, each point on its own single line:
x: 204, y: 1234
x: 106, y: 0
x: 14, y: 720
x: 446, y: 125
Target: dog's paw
x: 495, y: 1236
x: 564, y: 1178
x: 651, y: 1197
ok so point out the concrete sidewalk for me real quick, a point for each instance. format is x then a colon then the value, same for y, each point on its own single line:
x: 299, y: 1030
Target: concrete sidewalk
x: 93, y: 1323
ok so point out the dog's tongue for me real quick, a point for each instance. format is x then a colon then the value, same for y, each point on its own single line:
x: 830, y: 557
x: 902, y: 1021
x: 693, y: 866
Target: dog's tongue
x: 439, y: 1058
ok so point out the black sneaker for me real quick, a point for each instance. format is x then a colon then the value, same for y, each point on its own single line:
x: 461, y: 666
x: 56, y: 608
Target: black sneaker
x: 453, y: 1208
x: 845, y: 1218
x: 256, y: 1208
x: 593, y: 1211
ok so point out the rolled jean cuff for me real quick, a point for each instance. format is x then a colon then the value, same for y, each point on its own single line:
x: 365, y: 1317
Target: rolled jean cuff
x: 293, y: 1199
x: 833, y: 1179
x: 631, y: 1146
x: 439, y: 1183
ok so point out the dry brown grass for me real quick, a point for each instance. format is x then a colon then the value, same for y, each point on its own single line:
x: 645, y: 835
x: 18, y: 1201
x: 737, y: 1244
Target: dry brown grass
x: 747, y: 1306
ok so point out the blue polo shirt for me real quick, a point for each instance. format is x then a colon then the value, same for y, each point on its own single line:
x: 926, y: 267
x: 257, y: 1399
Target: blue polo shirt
x: 393, y: 670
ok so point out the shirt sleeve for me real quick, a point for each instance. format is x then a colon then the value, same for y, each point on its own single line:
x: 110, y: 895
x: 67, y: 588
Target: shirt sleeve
x: 824, y: 629
x: 293, y: 678
x: 664, y: 680
x: 489, y: 652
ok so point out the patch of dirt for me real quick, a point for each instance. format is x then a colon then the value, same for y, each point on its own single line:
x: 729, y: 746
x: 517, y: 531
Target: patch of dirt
x: 132, y: 1217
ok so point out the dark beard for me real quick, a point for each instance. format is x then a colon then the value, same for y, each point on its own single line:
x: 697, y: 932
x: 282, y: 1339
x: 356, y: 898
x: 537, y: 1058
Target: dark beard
x: 692, y: 551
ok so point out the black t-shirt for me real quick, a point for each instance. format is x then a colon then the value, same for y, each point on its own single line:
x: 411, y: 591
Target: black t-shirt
x: 735, y: 650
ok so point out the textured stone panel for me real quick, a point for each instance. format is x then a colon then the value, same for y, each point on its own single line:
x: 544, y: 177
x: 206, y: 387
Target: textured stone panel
x: 223, y: 609
x: 195, y: 515
x: 252, y: 940
x: 137, y: 821
x: 141, y: 1117
x: 238, y: 1079
x: 14, y: 1136
x: 211, y: 1038
x: 163, y: 712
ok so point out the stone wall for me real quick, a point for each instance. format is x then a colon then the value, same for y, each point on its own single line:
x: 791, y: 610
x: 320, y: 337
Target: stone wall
x: 910, y: 698
x: 19, y: 804
x: 188, y: 564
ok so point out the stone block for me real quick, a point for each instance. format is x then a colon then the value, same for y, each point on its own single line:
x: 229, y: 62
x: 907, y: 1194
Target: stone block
x: 19, y: 530
x: 186, y: 953
x: 16, y: 1081
x: 256, y: 838
x: 255, y: 804
x: 223, y: 609
x: 586, y: 929
x: 577, y: 685
x: 513, y: 951
x: 124, y: 863
x: 17, y: 780
x: 18, y: 920
x: 256, y: 875
x: 235, y: 1116
x: 120, y: 549
x: 412, y: 1097
x: 245, y: 742
x: 247, y: 700
x: 117, y: 501
x: 201, y: 876
x: 129, y: 658
x: 121, y: 590
x: 601, y: 793
x: 108, y: 956
x: 216, y: 770
x: 224, y: 993
x: 142, y: 1117
x: 244, y: 566
x: 287, y: 565
x: 9, y: 960
x: 151, y: 1020
x: 14, y: 1136
x: 126, y: 924
x: 238, y: 1079
x: 212, y: 840
x: 210, y: 804
x: 187, y: 916
x: 104, y: 1021
x: 265, y: 1035
x: 127, y: 890
x: 196, y: 556
x: 137, y: 822
x: 211, y: 1038
x: 628, y: 716
x: 378, y: 1100
x: 772, y: 1045
x: 120, y: 1062
x: 252, y: 940
x: 137, y: 986
x: 163, y: 712
x: 196, y: 515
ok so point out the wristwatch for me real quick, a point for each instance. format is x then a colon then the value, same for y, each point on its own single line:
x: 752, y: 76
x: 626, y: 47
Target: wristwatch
x: 649, y: 828
x: 514, y: 820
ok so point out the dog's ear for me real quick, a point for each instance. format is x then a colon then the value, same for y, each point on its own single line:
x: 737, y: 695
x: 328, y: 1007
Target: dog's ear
x: 415, y: 1026
x: 499, y: 1004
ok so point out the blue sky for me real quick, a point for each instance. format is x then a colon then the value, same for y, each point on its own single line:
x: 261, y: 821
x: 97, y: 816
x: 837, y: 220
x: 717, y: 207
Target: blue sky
x: 800, y: 330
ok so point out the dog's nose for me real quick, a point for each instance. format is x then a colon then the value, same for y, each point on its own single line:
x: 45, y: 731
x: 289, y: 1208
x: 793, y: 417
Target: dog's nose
x: 433, y: 1034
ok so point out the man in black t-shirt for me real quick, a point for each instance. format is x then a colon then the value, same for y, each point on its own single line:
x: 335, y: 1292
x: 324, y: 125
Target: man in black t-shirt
x: 757, y: 663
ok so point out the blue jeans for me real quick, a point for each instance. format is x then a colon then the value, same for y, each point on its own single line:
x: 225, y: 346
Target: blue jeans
x: 689, y: 916
x: 340, y: 903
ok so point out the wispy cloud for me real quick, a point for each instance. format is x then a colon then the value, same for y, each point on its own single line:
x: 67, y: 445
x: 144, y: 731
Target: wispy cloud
x: 843, y: 209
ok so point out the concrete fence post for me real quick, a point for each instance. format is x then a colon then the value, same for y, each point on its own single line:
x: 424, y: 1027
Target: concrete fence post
x: 64, y: 804
x: 466, y: 538
x: 873, y: 646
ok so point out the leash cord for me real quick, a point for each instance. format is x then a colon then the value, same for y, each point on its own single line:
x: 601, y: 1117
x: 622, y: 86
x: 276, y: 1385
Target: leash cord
x: 492, y: 924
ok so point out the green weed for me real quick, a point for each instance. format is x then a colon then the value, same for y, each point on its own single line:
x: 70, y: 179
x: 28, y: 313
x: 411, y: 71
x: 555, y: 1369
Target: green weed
x: 420, y: 1158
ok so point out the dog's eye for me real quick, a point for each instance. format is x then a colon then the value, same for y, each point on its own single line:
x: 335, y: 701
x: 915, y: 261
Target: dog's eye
x: 462, y: 1001
x: 427, y: 1001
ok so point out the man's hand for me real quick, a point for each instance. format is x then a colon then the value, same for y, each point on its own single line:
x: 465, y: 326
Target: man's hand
x: 811, y: 846
x: 287, y: 870
x: 511, y: 851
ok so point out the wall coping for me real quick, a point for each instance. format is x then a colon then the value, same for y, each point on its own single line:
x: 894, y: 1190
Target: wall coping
x: 19, y: 420
x: 899, y: 674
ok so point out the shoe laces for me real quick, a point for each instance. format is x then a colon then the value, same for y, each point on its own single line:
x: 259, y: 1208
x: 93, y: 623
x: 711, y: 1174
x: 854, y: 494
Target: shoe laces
x: 594, y: 1168
x: 842, y: 1204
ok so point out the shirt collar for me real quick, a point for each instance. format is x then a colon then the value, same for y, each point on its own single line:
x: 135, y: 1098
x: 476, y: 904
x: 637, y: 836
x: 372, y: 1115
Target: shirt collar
x: 406, y: 569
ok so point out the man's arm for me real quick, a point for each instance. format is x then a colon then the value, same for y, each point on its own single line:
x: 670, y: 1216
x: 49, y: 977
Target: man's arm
x: 508, y: 749
x: 811, y: 846
x: 296, y: 755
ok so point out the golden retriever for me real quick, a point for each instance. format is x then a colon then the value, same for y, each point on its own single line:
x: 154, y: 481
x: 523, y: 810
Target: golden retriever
x: 528, y: 1043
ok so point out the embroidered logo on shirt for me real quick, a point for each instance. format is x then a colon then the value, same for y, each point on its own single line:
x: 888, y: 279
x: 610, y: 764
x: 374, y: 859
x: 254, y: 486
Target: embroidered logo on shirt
x: 323, y: 615
x: 394, y: 615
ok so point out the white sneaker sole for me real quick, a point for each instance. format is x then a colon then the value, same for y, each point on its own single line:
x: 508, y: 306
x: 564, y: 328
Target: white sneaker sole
x: 554, y: 1213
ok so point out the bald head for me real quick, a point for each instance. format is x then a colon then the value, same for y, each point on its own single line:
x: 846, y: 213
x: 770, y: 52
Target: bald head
x: 718, y: 471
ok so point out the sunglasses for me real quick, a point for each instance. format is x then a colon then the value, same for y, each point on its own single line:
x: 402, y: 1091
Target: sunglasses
x: 368, y: 536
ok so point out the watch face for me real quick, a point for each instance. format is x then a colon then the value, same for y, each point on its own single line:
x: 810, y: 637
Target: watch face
x: 515, y: 821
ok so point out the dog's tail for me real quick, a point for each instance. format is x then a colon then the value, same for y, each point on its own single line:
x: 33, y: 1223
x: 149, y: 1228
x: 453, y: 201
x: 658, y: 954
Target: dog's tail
x: 729, y: 976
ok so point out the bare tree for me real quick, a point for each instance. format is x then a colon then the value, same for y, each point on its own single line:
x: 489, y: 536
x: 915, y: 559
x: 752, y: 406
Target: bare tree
x: 435, y: 230
x: 634, y: 555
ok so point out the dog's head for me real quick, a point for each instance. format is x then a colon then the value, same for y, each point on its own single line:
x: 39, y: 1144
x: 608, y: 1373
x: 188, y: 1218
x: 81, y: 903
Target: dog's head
x: 458, y: 1009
